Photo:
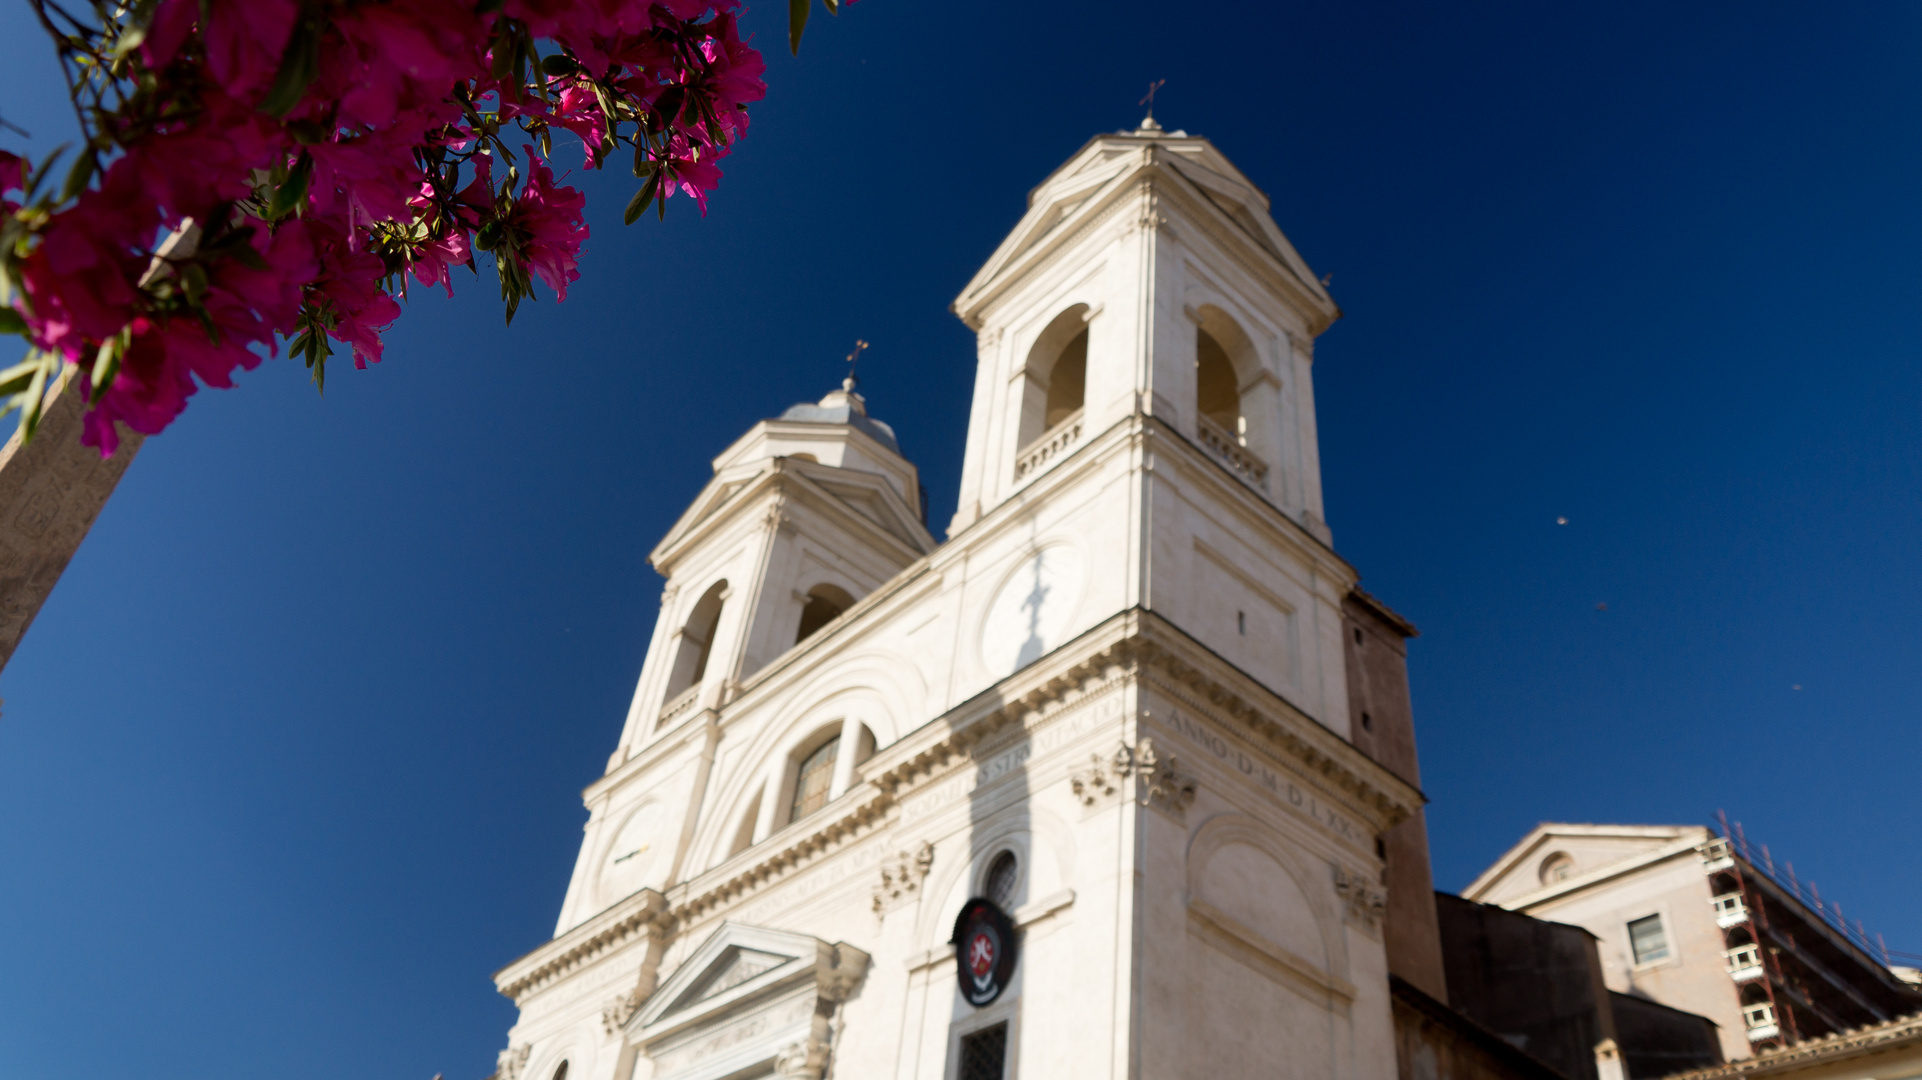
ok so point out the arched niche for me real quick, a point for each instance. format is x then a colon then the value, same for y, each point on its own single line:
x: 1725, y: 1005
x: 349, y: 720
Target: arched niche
x: 1234, y: 393
x: 825, y: 603
x: 696, y: 641
x: 1056, y: 375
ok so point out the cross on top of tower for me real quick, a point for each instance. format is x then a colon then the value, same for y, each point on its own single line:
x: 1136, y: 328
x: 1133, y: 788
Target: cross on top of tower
x: 1148, y: 122
x: 854, y: 357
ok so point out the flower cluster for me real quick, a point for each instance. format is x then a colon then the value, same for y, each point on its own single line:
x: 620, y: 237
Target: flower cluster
x: 267, y: 171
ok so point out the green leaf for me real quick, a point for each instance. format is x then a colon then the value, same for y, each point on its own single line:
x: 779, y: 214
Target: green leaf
x: 33, y: 401
x: 559, y: 64
x: 796, y: 24
x: 11, y: 322
x: 291, y: 196
x: 46, y: 167
x: 637, y: 205
x: 19, y: 376
x: 298, y: 67
x: 797, y: 21
x: 106, y: 365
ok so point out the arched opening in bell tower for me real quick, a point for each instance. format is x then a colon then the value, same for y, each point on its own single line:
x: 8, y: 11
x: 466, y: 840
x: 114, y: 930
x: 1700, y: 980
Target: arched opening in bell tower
x: 1057, y: 375
x: 1236, y: 398
x: 825, y: 603
x: 697, y: 638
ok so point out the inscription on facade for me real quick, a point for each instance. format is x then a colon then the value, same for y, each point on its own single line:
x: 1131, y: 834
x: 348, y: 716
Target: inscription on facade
x: 1057, y: 734
x: 1284, y: 790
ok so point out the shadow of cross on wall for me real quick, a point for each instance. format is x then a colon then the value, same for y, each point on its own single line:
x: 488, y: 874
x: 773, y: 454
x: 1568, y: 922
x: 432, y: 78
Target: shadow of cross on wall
x: 51, y: 490
x: 1037, y: 597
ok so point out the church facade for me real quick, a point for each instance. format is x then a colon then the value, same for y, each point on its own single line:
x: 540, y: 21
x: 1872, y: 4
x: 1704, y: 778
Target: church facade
x: 1131, y: 736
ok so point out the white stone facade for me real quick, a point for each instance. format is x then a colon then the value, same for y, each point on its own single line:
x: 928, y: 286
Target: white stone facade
x: 1125, y: 667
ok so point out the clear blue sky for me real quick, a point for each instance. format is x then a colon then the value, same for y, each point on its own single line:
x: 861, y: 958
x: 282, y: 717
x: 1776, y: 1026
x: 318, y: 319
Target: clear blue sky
x: 291, y: 761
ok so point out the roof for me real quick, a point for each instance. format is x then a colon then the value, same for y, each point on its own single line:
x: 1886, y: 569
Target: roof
x: 1902, y: 1033
x: 844, y: 406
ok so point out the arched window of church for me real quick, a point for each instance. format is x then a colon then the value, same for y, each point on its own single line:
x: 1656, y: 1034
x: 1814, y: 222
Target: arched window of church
x: 1003, y: 874
x: 1237, y: 399
x: 825, y: 603
x: 560, y: 1071
x: 813, y: 779
x: 1056, y: 386
x: 1217, y: 391
x: 1068, y: 381
x: 697, y: 637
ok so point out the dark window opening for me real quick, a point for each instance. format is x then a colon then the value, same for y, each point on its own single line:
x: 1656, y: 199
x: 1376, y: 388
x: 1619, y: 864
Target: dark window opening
x: 1241, y: 622
x: 984, y: 1053
x: 1217, y: 395
x: 1367, y: 722
x: 561, y: 1073
x: 1381, y: 849
x: 825, y: 604
x: 1002, y: 874
x: 1068, y: 382
x: 1357, y: 635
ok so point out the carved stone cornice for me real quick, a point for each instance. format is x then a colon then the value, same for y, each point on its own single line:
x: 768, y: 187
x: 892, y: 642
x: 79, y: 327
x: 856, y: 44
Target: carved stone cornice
x: 1875, y: 1039
x: 1132, y: 644
x: 631, y: 920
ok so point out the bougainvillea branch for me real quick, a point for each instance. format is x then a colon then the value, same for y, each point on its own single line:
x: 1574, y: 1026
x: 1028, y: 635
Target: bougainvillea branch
x: 255, y: 173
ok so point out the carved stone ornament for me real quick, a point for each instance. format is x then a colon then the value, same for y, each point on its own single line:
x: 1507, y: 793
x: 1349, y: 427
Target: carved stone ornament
x: 510, y: 1062
x: 776, y: 518
x: 901, y: 877
x: 801, y: 1060
x: 1366, y: 901
x: 1158, y: 782
x: 617, y: 1010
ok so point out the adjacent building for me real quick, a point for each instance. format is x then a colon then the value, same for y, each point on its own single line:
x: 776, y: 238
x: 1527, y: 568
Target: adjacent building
x: 1698, y: 921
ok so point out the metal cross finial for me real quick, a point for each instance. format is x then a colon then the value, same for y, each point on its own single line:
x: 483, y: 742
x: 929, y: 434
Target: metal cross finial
x: 854, y: 358
x: 1149, y: 100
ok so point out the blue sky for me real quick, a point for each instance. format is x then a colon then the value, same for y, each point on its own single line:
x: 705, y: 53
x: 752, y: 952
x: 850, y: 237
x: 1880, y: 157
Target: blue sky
x: 291, y: 761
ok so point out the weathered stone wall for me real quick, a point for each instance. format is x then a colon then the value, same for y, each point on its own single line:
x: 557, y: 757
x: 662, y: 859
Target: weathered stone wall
x: 1382, y: 725
x: 51, y: 490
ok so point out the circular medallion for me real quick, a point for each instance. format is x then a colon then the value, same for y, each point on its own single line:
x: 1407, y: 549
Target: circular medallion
x: 1029, y: 615
x: 983, y: 951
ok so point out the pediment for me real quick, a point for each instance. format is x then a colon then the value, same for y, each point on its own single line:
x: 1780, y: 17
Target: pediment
x: 746, y: 996
x: 1090, y: 183
x: 1581, y: 850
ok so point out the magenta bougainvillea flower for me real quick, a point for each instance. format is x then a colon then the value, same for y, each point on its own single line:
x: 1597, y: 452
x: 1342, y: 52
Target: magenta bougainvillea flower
x: 283, y: 168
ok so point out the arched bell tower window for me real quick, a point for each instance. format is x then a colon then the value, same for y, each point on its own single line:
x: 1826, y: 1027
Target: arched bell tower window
x: 825, y: 603
x: 697, y: 638
x: 1217, y: 391
x: 1056, y: 385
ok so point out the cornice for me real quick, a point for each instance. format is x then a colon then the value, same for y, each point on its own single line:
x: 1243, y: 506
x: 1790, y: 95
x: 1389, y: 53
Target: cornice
x: 782, y: 479
x: 1132, y: 643
x: 632, y: 918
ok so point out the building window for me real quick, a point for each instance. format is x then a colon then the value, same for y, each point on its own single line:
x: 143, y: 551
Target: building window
x: 561, y: 1073
x: 1557, y: 867
x: 984, y: 1053
x: 812, y: 779
x: 1648, y: 940
x: 1003, y: 873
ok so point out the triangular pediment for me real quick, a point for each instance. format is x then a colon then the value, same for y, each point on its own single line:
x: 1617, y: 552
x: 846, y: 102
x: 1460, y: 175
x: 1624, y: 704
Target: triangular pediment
x: 1090, y: 185
x: 1557, y: 855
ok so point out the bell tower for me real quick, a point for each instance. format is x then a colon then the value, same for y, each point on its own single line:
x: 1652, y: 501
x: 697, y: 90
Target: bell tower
x: 1146, y: 277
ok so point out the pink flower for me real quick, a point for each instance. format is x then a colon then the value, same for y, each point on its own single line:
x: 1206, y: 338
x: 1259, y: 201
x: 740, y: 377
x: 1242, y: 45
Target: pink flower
x: 546, y: 223
x: 578, y: 109
x: 246, y: 40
